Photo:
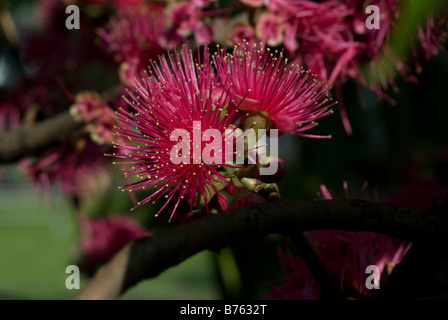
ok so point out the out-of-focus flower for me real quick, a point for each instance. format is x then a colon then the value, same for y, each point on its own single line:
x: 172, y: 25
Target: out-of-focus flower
x: 262, y: 83
x: 101, y: 238
x: 88, y: 106
x: 103, y: 128
x: 169, y: 39
x: 299, y: 284
x: 290, y: 39
x: 270, y: 29
x: 183, y: 16
x: 202, y: 33
x: 241, y: 33
x: 430, y: 38
x: 185, y: 19
x: 79, y: 167
x: 132, y: 36
x: 327, y: 44
x: 330, y: 39
x: 28, y: 97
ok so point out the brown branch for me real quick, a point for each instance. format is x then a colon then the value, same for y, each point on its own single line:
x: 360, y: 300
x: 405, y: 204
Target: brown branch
x: 147, y: 257
x: 25, y: 141
x: 9, y: 28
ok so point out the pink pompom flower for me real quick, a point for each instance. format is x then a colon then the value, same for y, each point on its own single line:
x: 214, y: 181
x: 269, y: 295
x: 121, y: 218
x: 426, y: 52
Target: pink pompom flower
x: 101, y: 238
x: 185, y: 95
x: 132, y: 36
x: 261, y: 82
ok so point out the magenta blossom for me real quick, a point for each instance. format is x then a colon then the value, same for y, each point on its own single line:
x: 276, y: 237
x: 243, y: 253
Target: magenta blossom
x: 88, y: 106
x: 79, y: 167
x: 179, y: 94
x: 101, y: 238
x: 132, y: 36
x: 184, y: 16
x: 28, y: 96
x: 185, y: 19
x: 290, y: 98
x: 103, y: 128
x: 241, y: 33
x: 270, y: 29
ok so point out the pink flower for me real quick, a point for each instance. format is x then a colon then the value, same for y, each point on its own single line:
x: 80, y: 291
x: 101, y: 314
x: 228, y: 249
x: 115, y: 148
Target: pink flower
x: 88, y: 106
x: 270, y: 29
x: 28, y: 96
x: 132, y: 36
x: 104, y: 126
x: 101, y: 238
x: 327, y: 45
x: 286, y: 95
x: 184, y: 16
x: 179, y: 94
x: 241, y: 33
x: 290, y: 40
x: 299, y: 284
x: 430, y: 38
x: 202, y: 33
x: 201, y: 3
x: 169, y: 39
x: 129, y: 70
x: 78, y: 166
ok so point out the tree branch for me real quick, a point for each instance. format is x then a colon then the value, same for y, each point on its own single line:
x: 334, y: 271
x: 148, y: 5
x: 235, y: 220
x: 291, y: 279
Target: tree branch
x: 24, y: 141
x: 147, y: 257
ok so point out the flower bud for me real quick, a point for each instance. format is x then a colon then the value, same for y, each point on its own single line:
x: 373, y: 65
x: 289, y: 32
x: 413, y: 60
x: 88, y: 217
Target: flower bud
x: 278, y: 165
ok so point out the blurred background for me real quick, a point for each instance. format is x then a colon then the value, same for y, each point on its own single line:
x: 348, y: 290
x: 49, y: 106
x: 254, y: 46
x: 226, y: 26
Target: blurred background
x: 399, y: 149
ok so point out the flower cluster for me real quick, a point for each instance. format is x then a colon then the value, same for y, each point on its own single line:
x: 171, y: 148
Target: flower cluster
x: 132, y: 36
x: 330, y: 39
x: 250, y: 87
